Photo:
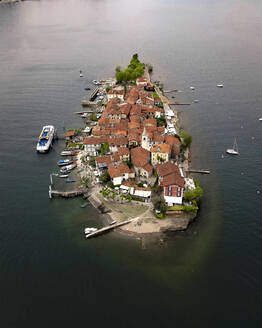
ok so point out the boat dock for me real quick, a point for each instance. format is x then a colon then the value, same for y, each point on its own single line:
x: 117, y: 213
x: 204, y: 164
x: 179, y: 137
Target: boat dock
x: 199, y: 171
x: 108, y: 228
x: 65, y: 194
x: 93, y: 94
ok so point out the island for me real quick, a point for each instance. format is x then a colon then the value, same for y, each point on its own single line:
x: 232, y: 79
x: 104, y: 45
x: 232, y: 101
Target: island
x: 133, y: 157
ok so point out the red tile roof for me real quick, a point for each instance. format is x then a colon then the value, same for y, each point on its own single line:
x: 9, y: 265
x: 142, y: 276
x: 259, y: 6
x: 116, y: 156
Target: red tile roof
x: 169, y: 174
x: 70, y: 133
x: 140, y: 156
x: 161, y: 148
x: 118, y: 170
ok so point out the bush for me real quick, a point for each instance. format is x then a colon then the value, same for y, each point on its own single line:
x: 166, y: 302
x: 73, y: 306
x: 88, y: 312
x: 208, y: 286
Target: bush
x: 93, y: 117
x: 186, y: 139
x: 92, y: 161
x: 150, y: 68
x: 195, y: 194
x: 161, y: 121
x: 159, y: 216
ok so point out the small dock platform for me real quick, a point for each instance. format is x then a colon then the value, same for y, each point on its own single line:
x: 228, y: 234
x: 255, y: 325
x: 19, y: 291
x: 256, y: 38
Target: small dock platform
x: 108, y: 228
x: 199, y: 171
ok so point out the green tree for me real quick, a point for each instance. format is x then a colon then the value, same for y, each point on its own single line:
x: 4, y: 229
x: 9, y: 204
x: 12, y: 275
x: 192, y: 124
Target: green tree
x: 104, y: 148
x: 105, y: 177
x: 159, y: 204
x: 150, y: 68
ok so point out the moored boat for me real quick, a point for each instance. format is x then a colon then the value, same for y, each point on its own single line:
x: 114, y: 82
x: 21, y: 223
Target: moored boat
x: 67, y: 168
x: 89, y: 230
x: 70, y: 180
x: 63, y: 176
x: 68, y: 153
x: 45, y: 139
x: 63, y: 162
x: 220, y: 85
x: 84, y: 204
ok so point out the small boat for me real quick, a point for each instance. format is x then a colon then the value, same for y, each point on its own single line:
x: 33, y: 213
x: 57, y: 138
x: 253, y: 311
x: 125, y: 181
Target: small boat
x: 66, y: 153
x: 89, y: 230
x: 70, y: 180
x: 63, y: 162
x: 192, y: 88
x: 84, y: 205
x: 67, y: 168
x: 84, y: 115
x: 45, y: 139
x: 220, y: 85
x: 87, y: 89
x: 96, y: 82
x: 260, y: 119
x: 63, y: 176
x: 234, y: 150
x: 196, y: 101
x: 81, y: 74
x: 113, y: 222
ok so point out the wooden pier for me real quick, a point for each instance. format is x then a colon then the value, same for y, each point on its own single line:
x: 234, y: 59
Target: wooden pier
x: 199, y: 171
x: 108, y: 228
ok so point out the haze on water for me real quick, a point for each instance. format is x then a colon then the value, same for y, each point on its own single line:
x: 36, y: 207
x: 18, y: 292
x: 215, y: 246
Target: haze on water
x: 207, y: 276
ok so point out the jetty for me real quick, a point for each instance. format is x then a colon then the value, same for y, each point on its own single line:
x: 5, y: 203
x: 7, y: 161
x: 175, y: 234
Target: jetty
x: 179, y: 104
x: 168, y: 91
x: 93, y: 94
x: 108, y: 228
x: 65, y: 194
x: 199, y: 171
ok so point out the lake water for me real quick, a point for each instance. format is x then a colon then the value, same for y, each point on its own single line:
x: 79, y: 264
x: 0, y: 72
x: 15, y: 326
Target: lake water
x: 209, y: 275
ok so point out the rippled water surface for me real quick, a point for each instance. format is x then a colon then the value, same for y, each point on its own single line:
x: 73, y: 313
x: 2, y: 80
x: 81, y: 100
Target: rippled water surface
x: 209, y: 275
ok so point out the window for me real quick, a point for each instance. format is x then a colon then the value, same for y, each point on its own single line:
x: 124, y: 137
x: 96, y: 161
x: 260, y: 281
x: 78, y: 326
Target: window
x: 169, y: 190
x: 178, y: 192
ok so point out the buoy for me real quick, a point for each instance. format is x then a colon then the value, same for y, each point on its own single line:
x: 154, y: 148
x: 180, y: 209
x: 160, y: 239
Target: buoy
x: 258, y: 192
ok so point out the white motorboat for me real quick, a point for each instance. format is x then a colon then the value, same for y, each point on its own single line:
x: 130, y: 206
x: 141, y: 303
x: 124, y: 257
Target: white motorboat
x: 81, y: 74
x: 260, y: 119
x: 220, y: 85
x: 96, y: 82
x: 234, y: 150
x: 89, y: 230
x: 66, y: 153
x: 192, y: 88
x: 63, y: 176
x: 67, y: 168
x: 45, y: 139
